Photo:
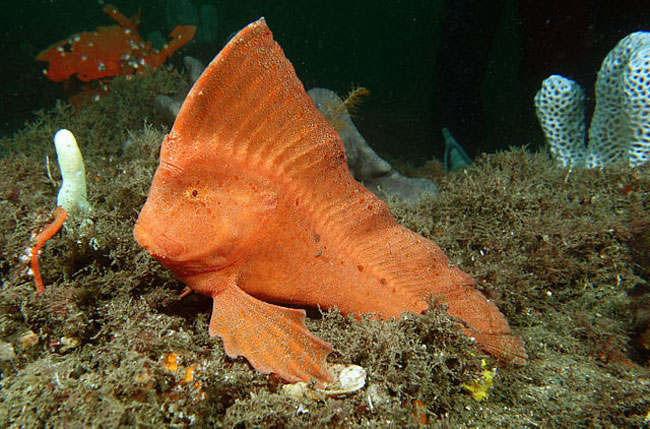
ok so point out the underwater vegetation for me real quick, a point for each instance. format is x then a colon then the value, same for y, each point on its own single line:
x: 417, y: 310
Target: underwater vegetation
x: 558, y: 254
x: 562, y: 252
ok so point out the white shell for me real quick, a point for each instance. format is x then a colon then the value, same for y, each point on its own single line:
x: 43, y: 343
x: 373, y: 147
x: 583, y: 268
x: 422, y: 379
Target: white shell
x: 347, y: 379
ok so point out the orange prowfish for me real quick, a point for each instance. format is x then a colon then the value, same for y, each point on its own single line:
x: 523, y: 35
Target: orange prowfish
x: 253, y: 202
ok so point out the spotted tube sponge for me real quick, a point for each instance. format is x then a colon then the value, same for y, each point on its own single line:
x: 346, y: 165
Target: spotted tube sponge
x: 560, y: 105
x: 620, y: 127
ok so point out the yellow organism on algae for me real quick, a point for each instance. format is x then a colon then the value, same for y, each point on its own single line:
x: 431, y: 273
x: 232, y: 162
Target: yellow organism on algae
x: 338, y: 110
x: 354, y: 98
x: 479, y: 387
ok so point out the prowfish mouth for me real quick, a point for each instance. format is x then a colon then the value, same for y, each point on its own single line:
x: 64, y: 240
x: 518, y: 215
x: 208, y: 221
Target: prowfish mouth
x: 157, y: 242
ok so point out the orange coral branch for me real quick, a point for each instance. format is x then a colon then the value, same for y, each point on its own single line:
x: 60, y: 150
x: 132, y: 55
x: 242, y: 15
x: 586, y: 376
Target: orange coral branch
x: 109, y: 51
x: 48, y: 232
x: 117, y: 16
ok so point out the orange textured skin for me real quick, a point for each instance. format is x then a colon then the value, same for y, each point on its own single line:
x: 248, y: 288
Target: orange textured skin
x: 253, y: 202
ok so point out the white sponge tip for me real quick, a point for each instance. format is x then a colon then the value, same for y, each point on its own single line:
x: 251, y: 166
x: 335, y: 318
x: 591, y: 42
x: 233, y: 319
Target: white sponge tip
x: 72, y: 194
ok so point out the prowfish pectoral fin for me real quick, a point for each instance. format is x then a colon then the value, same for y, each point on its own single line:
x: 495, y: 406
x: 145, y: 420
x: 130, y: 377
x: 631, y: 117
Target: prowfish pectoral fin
x: 272, y: 338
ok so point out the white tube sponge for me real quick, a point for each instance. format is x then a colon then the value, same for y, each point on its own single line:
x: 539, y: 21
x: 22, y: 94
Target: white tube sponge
x: 72, y: 194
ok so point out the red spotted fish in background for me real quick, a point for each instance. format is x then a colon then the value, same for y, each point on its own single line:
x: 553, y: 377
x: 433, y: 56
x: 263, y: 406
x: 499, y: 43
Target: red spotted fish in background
x: 253, y: 203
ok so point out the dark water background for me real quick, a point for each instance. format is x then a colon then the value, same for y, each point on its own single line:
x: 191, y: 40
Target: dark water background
x: 471, y: 66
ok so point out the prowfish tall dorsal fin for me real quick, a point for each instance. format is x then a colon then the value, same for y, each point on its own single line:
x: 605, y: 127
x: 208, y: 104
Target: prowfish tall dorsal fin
x: 250, y: 104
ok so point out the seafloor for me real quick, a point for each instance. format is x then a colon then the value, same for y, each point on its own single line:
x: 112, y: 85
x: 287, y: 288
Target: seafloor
x: 563, y: 254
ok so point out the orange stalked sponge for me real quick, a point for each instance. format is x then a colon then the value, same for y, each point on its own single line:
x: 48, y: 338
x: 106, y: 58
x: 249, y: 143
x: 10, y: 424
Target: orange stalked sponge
x: 109, y: 51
